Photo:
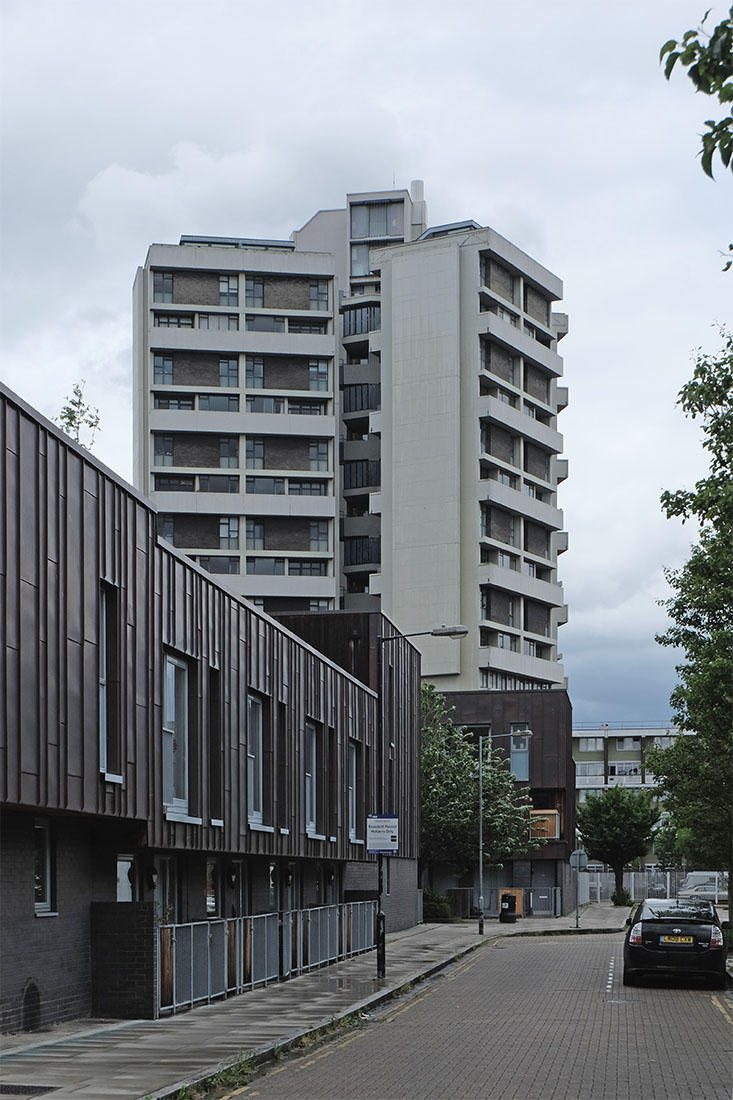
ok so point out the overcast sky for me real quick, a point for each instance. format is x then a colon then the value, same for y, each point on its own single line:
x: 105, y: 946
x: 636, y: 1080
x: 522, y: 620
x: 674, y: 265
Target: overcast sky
x: 135, y: 122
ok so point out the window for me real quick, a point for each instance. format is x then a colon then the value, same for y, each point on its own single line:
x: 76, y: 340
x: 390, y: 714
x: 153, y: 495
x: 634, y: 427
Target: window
x: 530, y: 648
x: 510, y: 612
x: 507, y: 641
x: 254, y: 371
x: 377, y: 219
x: 362, y: 320
x: 274, y: 485
x: 318, y: 374
x: 109, y: 682
x: 43, y: 866
x: 219, y: 564
x: 507, y: 561
x: 254, y: 291
x: 353, y: 750
x: 506, y: 479
x: 169, y: 483
x: 173, y: 320
x: 505, y: 315
x: 313, y: 751
x: 228, y: 372
x: 663, y: 742
x: 625, y: 767
x: 265, y: 404
x: 298, y: 567
x: 162, y: 286
x: 318, y: 530
x: 173, y: 401
x: 255, y: 454
x: 507, y: 398
x: 307, y: 488
x: 219, y: 322
x: 319, y: 294
x: 260, y: 322
x: 266, y: 567
x: 627, y: 744
x: 590, y: 744
x: 254, y: 759
x: 175, y: 734
x: 125, y: 878
x: 255, y: 534
x: 228, y: 290
x: 229, y: 451
x: 318, y: 454
x: 530, y: 568
x: 519, y: 752
x: 319, y: 605
x: 229, y: 533
x: 590, y: 767
x: 163, y: 370
x: 163, y: 450
x: 212, y: 888
x: 215, y: 748
x: 219, y: 402
x: 166, y: 527
x: 307, y: 408
x: 315, y: 328
x: 218, y: 483
x: 359, y: 259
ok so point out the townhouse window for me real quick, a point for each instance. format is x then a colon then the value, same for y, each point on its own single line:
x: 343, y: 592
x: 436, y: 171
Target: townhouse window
x: 301, y: 488
x: 162, y: 286
x: 229, y: 566
x: 318, y: 293
x: 175, y: 734
x: 173, y: 401
x: 219, y: 322
x: 267, y: 485
x: 173, y: 320
x: 163, y: 449
x: 261, y: 322
x: 255, y: 534
x: 228, y: 290
x: 43, y: 867
x: 519, y: 752
x: 125, y: 878
x: 219, y: 402
x: 254, y: 371
x: 166, y: 527
x: 590, y: 744
x: 163, y: 370
x: 171, y: 483
x: 265, y: 404
x: 218, y: 483
x: 318, y: 531
x: 354, y: 777
x: 215, y: 747
x: 228, y: 372
x: 109, y: 682
x: 254, y: 291
x: 318, y: 454
x: 313, y: 758
x: 255, y: 782
x: 318, y: 374
x: 229, y: 533
x: 306, y: 567
x: 213, y: 889
x: 255, y: 454
x: 266, y: 567
x: 229, y: 451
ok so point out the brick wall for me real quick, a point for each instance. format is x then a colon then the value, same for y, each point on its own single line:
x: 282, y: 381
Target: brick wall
x: 286, y: 374
x: 124, y: 953
x: 400, y: 904
x: 190, y: 369
x: 287, y: 454
x: 500, y: 362
x: 286, y: 293
x: 536, y: 305
x: 287, y: 534
x: 197, y: 531
x: 535, y: 382
x: 196, y: 287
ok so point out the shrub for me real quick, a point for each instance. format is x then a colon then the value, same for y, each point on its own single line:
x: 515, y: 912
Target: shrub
x: 435, y: 906
x: 621, y: 897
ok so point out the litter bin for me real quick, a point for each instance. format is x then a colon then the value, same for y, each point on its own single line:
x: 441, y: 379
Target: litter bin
x: 508, y: 910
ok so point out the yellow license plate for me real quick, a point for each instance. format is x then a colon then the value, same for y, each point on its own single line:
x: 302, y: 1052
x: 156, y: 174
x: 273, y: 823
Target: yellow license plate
x: 676, y: 939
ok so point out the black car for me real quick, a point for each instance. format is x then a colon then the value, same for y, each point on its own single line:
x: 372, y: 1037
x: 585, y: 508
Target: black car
x: 675, y: 936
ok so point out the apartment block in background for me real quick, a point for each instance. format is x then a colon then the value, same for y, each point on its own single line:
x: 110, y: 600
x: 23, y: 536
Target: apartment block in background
x: 615, y: 756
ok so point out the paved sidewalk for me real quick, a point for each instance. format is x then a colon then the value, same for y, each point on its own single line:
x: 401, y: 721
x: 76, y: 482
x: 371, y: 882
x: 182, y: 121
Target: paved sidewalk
x: 97, y: 1059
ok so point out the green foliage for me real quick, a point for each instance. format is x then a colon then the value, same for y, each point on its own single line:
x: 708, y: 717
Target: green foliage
x: 435, y: 906
x: 708, y: 59
x: 667, y: 847
x: 618, y: 825
x: 450, y: 795
x: 621, y: 897
x: 696, y: 773
x: 77, y: 415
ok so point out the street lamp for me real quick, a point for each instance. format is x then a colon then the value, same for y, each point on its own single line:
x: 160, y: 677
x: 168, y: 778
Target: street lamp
x: 486, y: 737
x: 382, y: 639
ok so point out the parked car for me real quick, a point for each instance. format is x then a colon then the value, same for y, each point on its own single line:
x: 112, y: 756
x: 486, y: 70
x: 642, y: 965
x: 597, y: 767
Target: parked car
x: 675, y: 936
x: 706, y: 892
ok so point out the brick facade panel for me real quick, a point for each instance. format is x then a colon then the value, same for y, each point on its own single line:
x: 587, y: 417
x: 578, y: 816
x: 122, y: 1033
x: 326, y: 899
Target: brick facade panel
x: 196, y: 450
x: 536, y: 305
x: 500, y: 363
x: 287, y: 293
x: 536, y: 539
x: 199, y: 531
x: 196, y: 287
x: 190, y: 369
x: 287, y: 534
x: 536, y: 383
x: 285, y: 453
x: 286, y: 374
x: 501, y: 280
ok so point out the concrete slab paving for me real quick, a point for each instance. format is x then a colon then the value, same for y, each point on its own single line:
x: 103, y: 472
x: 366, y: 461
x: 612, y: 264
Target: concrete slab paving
x: 132, y: 1060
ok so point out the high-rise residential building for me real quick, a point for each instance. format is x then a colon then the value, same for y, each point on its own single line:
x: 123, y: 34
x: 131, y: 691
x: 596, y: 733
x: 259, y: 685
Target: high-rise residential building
x: 427, y: 362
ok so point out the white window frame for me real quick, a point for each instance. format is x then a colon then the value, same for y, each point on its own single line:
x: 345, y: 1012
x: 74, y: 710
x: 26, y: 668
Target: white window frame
x: 590, y: 744
x: 255, y: 784
x: 311, y: 777
x: 353, y: 789
x: 175, y: 734
x: 519, y: 751
x: 44, y: 904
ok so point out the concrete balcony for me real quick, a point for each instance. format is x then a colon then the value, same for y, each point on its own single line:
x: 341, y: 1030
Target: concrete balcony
x: 518, y: 664
x: 511, y: 580
x: 520, y: 503
x: 517, y: 421
x: 519, y: 341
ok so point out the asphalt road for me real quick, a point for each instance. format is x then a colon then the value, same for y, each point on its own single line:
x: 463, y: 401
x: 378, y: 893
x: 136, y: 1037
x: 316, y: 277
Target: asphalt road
x: 529, y: 1019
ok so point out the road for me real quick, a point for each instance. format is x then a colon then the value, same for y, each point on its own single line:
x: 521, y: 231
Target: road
x: 525, y: 1019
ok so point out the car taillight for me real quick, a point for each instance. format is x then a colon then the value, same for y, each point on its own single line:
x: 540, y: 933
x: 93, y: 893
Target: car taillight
x: 716, y: 937
x: 635, y: 934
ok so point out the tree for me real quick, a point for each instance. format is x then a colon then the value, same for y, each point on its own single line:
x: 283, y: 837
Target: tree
x: 618, y: 825
x: 450, y: 796
x: 77, y: 414
x: 695, y: 774
x: 708, y: 59
x: 666, y: 847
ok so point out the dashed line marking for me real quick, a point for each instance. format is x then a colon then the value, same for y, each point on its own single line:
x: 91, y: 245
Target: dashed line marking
x: 611, y: 971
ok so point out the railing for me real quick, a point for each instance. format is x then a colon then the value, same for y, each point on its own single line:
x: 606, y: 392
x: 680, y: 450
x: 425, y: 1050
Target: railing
x: 537, y: 901
x: 203, y: 960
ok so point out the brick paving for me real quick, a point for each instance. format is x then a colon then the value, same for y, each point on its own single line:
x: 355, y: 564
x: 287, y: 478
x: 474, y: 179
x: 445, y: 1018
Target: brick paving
x: 126, y: 1061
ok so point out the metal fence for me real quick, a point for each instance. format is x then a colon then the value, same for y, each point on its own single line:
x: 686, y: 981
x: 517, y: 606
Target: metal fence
x: 204, y: 960
x: 535, y: 901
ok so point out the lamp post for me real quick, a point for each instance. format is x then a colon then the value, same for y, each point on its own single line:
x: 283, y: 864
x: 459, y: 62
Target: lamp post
x: 382, y: 639
x: 486, y: 737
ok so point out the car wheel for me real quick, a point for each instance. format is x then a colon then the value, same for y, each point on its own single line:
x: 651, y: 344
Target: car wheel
x: 629, y: 978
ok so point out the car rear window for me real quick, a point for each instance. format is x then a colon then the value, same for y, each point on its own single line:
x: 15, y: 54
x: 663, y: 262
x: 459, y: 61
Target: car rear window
x: 677, y: 910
